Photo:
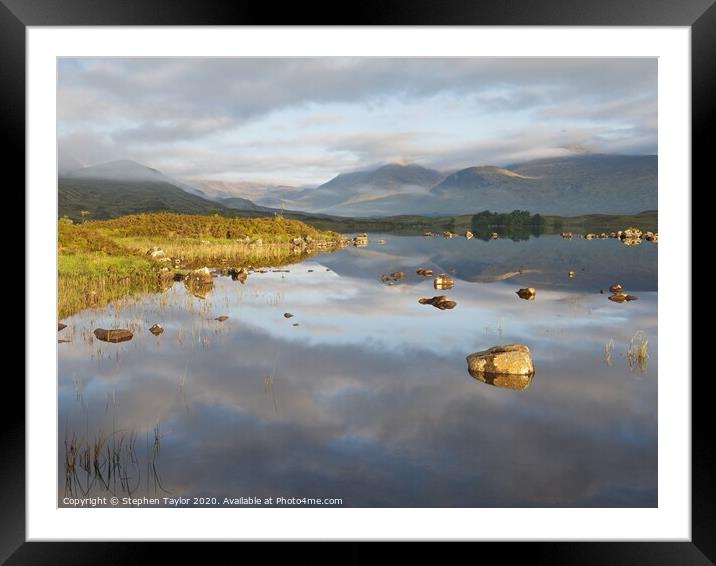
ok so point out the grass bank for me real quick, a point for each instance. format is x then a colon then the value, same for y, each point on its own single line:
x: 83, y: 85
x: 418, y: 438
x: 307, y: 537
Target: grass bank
x: 102, y: 261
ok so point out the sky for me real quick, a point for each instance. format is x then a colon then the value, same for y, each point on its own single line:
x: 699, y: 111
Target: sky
x: 302, y: 121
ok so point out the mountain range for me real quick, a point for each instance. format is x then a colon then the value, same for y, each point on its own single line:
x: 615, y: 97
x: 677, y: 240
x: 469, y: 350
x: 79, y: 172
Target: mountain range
x: 580, y: 184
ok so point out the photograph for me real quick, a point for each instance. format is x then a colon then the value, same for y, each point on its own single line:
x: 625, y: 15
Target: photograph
x: 357, y: 282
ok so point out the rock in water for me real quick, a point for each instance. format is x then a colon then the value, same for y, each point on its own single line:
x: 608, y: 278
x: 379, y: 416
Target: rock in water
x: 621, y: 297
x: 510, y: 359
x: 156, y: 329
x: 616, y: 288
x: 571, y: 274
x: 199, y: 282
x: 527, y: 293
x: 441, y: 302
x: 443, y: 282
x: 114, y: 335
x: 61, y: 326
x: 287, y: 315
x: 222, y: 318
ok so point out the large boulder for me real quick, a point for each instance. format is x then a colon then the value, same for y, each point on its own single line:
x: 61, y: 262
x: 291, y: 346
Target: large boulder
x: 510, y: 359
x: 114, y: 335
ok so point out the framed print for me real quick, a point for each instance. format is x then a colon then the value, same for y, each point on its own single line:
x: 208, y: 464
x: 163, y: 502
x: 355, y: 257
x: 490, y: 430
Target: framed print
x: 389, y: 279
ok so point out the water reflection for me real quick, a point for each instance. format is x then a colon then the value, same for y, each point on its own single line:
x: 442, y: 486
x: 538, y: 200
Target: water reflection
x: 368, y: 399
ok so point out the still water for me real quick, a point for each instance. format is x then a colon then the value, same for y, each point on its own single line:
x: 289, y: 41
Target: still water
x: 364, y: 395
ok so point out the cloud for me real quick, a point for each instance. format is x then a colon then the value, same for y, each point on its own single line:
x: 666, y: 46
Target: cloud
x: 305, y: 119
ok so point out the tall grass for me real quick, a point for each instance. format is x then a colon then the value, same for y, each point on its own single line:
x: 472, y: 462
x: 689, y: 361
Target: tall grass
x: 608, y: 351
x: 638, y: 352
x: 101, y: 261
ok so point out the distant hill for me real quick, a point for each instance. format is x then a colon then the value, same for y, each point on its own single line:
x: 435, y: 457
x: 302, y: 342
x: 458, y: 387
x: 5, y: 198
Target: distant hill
x: 262, y: 194
x: 567, y: 186
x: 612, y: 184
x: 583, y: 184
x: 365, y: 192
x: 238, y: 203
x: 117, y: 188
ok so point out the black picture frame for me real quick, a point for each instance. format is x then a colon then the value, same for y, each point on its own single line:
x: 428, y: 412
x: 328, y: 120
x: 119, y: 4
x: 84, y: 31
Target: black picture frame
x: 699, y: 15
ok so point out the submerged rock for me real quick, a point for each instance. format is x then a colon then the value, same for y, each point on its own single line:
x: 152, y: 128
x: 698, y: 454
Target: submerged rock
x: 156, y: 329
x: 504, y: 366
x: 398, y: 275
x: 222, y: 318
x: 528, y: 293
x: 114, y: 335
x: 61, y: 326
x: 440, y: 302
x: 443, y: 281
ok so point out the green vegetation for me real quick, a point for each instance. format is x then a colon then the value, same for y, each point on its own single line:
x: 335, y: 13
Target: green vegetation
x: 272, y: 229
x: 102, y: 261
x: 646, y: 221
x: 82, y: 199
x: 518, y: 224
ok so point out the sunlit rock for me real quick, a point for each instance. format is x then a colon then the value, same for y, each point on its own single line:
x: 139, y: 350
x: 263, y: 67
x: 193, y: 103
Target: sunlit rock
x: 156, y: 252
x: 199, y: 282
x: 443, y: 281
x: 504, y: 366
x: 528, y: 293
